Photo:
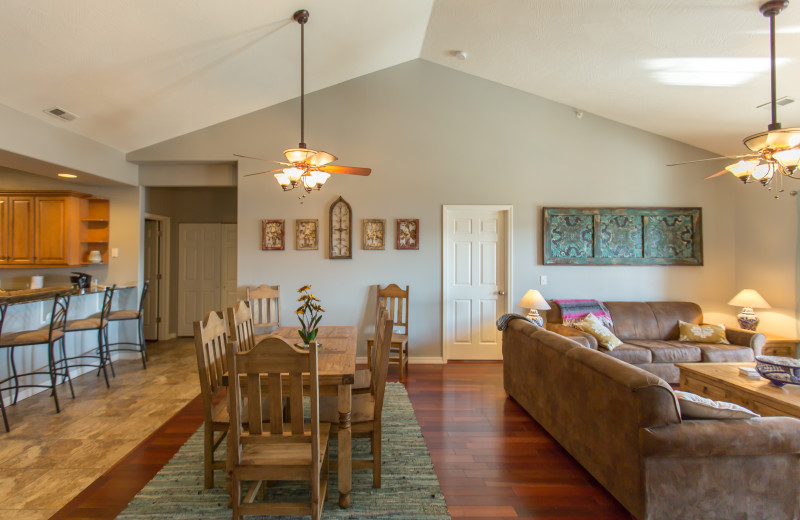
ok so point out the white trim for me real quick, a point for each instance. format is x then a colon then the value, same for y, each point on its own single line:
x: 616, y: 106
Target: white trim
x: 164, y: 267
x: 412, y: 360
x: 508, y: 209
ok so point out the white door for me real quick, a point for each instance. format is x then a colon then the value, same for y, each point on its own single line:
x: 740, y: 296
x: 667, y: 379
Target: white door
x: 476, y: 256
x: 199, y: 274
x: 152, y: 273
x: 230, y: 283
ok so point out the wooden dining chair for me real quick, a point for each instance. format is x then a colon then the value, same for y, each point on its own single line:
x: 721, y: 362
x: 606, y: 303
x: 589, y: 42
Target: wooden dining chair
x: 285, y: 452
x: 210, y: 340
x: 240, y: 325
x: 363, y: 376
x: 396, y: 301
x: 265, y: 306
x: 367, y: 406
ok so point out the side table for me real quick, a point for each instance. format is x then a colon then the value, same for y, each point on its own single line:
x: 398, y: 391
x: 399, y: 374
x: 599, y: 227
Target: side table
x: 781, y: 346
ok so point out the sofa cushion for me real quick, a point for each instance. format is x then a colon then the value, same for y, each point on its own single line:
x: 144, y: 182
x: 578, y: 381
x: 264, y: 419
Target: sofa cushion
x: 702, y: 333
x: 668, y: 313
x: 725, y: 353
x: 631, y: 354
x: 591, y: 324
x: 669, y: 351
x: 693, y: 406
x: 633, y: 320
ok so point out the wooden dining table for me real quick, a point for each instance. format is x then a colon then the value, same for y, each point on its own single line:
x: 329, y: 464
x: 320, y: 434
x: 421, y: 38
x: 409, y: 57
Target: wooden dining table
x: 337, y: 369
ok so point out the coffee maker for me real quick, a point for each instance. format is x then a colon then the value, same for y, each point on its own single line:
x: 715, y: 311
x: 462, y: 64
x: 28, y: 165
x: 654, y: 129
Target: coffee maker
x: 81, y: 280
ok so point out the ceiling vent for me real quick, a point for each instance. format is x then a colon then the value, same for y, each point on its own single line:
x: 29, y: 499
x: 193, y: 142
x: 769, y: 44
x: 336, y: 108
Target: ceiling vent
x: 781, y: 102
x: 60, y: 113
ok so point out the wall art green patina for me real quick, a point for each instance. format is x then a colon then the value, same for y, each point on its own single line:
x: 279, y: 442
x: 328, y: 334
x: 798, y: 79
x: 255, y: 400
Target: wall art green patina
x: 622, y: 236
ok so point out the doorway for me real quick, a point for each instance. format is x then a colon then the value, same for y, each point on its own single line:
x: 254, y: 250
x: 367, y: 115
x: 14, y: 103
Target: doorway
x: 476, y: 268
x: 156, y: 262
x: 207, y: 272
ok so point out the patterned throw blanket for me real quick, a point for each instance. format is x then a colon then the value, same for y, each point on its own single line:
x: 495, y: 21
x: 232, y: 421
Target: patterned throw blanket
x: 576, y: 310
x: 502, y: 321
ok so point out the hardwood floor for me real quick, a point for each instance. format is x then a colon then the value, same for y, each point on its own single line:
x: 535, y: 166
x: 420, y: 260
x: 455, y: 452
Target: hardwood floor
x: 492, y: 459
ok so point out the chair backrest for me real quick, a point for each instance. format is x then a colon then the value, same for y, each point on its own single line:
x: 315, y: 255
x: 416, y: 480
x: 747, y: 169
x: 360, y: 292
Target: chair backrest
x: 397, y: 303
x: 58, y: 319
x: 265, y: 305
x: 210, y: 341
x: 105, y: 311
x: 3, y: 307
x: 383, y: 342
x: 278, y: 359
x: 141, y: 298
x: 240, y: 324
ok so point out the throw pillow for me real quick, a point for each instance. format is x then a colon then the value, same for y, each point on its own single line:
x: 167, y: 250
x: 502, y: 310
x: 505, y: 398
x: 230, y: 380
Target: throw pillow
x: 591, y: 324
x: 703, y: 333
x: 693, y: 406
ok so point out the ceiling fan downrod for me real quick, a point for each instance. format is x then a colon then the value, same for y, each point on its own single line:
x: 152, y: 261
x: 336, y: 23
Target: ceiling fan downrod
x: 301, y: 17
x: 771, y: 9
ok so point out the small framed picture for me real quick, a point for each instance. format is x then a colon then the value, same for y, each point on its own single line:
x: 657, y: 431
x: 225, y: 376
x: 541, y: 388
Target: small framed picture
x: 373, y: 233
x: 407, y: 233
x: 272, y: 235
x: 306, y: 235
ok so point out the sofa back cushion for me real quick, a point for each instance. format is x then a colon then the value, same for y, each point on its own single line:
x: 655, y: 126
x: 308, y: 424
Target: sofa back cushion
x: 668, y: 314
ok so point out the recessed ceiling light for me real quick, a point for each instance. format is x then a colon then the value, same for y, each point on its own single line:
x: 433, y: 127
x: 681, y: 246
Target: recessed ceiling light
x: 68, y: 175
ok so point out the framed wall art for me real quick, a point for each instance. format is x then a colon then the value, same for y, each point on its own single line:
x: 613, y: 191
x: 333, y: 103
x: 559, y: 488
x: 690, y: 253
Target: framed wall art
x: 373, y: 233
x: 407, y: 233
x: 622, y: 236
x: 306, y: 234
x: 272, y: 235
x: 340, y: 232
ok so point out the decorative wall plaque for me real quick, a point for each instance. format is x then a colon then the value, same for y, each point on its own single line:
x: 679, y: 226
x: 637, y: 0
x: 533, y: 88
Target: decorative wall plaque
x: 373, y: 233
x: 622, y: 236
x: 272, y: 235
x: 340, y: 232
x: 306, y: 234
x: 407, y: 233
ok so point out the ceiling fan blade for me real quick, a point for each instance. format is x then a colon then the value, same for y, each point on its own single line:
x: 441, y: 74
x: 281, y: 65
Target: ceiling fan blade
x: 717, y: 158
x: 723, y: 172
x: 259, y: 173
x: 320, y: 159
x: 260, y: 159
x: 348, y: 170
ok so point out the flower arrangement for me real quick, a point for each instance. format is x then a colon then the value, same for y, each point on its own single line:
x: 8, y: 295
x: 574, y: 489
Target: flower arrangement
x: 309, y: 313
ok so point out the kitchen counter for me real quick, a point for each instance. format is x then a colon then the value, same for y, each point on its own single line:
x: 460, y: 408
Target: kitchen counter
x: 47, y: 293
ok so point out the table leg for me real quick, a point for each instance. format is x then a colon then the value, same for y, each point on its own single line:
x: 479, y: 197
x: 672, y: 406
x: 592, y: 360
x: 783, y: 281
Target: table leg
x: 345, y: 458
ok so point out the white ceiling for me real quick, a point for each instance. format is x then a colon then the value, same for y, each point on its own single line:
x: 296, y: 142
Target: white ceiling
x: 137, y: 73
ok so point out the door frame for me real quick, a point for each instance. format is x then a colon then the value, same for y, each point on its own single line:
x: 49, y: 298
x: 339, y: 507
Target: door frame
x: 162, y: 293
x: 447, y: 211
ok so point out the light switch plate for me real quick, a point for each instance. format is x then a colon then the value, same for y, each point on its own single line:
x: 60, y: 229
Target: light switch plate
x: 114, y: 252
x: 543, y: 280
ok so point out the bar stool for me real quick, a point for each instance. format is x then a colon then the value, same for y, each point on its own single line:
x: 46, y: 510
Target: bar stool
x: 50, y: 336
x: 126, y: 315
x: 100, y: 324
x: 3, y: 307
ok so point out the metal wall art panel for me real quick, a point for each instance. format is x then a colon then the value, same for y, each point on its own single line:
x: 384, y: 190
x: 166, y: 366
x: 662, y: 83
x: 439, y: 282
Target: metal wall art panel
x: 622, y: 236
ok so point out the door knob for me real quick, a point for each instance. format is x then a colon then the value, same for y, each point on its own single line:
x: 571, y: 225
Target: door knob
x: 501, y: 293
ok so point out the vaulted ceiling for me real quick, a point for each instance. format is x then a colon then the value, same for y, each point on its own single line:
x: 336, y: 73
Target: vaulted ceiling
x: 137, y: 73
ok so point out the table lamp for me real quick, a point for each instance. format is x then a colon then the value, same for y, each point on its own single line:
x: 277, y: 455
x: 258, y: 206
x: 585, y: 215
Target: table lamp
x: 748, y: 299
x: 534, y: 301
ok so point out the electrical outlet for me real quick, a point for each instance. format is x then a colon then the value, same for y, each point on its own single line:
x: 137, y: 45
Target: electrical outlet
x: 543, y: 280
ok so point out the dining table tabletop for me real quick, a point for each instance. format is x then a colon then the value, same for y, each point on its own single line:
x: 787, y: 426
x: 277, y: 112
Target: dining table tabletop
x: 336, y: 358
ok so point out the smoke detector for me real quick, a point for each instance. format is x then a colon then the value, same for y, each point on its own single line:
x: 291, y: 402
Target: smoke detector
x: 60, y: 113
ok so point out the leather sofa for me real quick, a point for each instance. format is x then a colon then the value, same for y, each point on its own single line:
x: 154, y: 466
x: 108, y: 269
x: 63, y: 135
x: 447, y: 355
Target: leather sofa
x: 649, y: 332
x: 623, y: 425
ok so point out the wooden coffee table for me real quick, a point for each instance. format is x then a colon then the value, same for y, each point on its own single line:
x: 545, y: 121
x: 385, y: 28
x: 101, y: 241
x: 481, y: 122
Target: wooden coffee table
x: 722, y: 382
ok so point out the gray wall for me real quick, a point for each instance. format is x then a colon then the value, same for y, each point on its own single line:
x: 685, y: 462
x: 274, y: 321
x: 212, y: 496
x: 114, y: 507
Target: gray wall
x: 435, y: 136
x: 188, y: 205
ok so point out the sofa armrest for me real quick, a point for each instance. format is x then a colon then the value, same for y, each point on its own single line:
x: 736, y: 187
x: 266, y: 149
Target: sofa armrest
x: 748, y: 338
x: 715, y: 438
x: 587, y: 340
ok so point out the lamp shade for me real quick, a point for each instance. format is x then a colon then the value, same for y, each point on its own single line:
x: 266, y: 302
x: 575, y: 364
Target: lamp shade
x: 533, y: 299
x: 749, y: 298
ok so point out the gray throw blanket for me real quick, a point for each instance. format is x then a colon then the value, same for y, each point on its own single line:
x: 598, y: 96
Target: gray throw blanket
x: 502, y: 321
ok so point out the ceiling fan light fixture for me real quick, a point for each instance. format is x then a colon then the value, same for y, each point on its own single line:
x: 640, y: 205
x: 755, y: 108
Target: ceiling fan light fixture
x: 743, y: 168
x: 294, y: 155
x: 788, y: 159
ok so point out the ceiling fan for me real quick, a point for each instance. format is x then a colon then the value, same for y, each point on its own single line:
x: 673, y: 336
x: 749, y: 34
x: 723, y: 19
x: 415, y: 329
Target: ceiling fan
x: 776, y: 152
x: 304, y: 168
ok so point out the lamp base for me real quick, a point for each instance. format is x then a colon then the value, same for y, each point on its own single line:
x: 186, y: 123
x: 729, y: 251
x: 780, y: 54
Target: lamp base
x: 534, y: 316
x: 748, y: 319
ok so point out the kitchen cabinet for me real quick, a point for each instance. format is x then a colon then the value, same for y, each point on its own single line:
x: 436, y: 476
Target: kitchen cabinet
x: 51, y: 228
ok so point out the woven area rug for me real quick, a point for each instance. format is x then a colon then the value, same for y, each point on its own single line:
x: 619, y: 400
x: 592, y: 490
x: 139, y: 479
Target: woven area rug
x: 409, y: 489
